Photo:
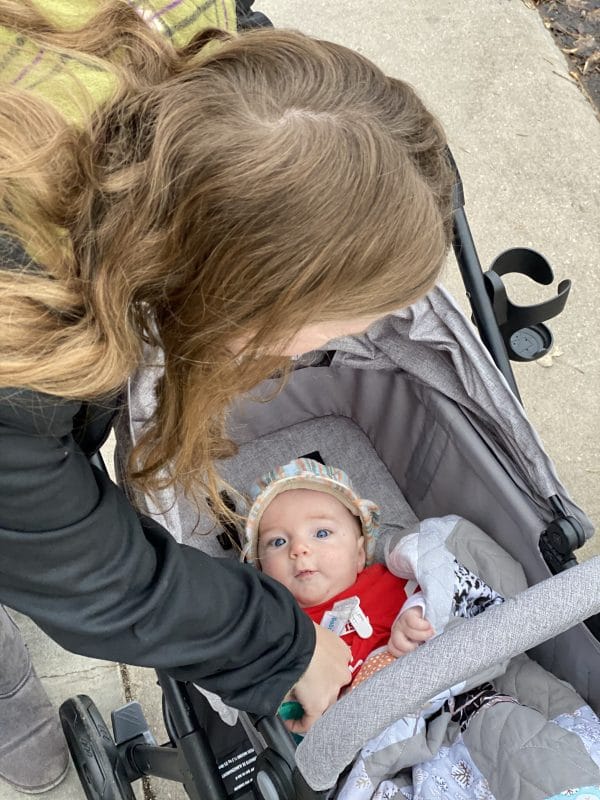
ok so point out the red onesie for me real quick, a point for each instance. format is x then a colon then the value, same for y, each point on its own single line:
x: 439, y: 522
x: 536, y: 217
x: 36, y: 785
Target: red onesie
x: 381, y: 597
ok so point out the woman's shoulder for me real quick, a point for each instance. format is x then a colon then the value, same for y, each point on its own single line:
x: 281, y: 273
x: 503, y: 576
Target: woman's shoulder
x: 27, y: 413
x: 36, y: 413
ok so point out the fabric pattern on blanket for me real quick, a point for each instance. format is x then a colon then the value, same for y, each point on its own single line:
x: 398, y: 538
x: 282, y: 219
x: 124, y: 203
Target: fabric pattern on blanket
x: 452, y: 773
x: 584, y: 723
x: 472, y: 595
x: 518, y: 733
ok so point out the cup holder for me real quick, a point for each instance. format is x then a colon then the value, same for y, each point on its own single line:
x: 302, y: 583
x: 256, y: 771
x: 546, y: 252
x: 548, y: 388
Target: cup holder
x: 523, y: 331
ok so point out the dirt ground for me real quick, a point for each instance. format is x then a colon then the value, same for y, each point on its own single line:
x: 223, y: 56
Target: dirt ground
x: 575, y: 25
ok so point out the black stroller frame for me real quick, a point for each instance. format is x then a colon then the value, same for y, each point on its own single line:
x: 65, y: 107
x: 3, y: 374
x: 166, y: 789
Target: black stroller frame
x: 108, y: 764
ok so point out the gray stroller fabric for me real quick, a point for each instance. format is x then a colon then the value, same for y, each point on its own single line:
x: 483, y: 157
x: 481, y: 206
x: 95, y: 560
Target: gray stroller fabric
x: 430, y: 344
x: 434, y: 343
x: 337, y: 439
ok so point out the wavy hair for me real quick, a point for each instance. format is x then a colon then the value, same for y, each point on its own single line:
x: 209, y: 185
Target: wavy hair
x: 244, y: 189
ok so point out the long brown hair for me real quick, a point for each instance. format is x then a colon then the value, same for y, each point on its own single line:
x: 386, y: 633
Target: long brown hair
x: 247, y: 188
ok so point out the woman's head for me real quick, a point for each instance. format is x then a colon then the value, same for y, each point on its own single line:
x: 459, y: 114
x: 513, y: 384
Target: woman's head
x: 255, y: 187
x: 284, y: 181
x: 280, y: 182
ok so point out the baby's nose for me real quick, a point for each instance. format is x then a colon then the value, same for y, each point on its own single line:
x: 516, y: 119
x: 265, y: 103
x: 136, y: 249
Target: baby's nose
x: 298, y: 549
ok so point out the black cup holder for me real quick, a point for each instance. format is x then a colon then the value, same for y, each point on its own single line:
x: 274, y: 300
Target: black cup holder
x: 522, y: 327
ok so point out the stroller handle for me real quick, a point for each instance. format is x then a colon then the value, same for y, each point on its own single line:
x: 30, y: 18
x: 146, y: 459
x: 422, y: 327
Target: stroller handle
x: 502, y: 632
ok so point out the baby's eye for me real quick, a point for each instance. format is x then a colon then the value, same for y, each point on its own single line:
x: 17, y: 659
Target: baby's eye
x: 322, y: 533
x: 278, y: 541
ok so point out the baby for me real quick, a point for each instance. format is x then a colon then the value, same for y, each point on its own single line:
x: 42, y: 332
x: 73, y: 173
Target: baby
x: 309, y: 530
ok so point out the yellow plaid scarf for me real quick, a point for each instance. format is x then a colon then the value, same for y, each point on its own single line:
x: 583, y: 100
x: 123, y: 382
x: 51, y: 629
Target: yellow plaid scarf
x: 60, y: 77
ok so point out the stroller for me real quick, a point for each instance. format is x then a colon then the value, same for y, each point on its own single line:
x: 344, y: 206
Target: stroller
x: 427, y: 424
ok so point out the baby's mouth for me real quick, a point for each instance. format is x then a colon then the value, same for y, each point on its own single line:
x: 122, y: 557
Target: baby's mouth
x: 304, y: 574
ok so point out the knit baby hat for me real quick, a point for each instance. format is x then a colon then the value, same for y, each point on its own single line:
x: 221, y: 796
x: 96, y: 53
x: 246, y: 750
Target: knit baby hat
x: 304, y: 473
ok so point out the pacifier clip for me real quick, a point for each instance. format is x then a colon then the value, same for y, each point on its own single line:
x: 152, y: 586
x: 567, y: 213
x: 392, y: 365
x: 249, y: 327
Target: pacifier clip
x: 346, y: 616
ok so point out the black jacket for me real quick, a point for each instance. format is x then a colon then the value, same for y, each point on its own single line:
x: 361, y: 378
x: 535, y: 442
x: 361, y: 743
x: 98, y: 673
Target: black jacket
x: 108, y: 583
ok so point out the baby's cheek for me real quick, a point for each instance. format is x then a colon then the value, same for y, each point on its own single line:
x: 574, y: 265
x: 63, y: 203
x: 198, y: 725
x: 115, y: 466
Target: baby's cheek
x: 275, y: 568
x: 267, y: 565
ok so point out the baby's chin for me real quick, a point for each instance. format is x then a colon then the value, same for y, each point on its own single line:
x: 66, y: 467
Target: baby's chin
x: 311, y: 591
x: 309, y: 598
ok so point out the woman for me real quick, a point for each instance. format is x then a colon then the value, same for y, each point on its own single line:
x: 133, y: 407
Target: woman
x: 231, y: 202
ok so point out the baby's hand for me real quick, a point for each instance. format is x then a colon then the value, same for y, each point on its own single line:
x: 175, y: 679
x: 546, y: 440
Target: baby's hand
x: 409, y: 631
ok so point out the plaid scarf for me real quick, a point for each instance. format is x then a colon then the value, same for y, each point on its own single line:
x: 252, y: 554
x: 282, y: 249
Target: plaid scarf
x: 61, y: 77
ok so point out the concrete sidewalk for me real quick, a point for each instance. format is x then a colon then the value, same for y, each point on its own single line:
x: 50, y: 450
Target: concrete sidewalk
x: 528, y: 146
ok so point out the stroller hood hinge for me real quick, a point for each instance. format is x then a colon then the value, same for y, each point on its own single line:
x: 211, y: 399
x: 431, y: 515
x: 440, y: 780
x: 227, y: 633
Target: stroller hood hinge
x: 562, y: 536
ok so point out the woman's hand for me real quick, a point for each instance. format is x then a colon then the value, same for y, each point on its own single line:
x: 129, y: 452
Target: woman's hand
x: 409, y: 631
x: 325, y: 676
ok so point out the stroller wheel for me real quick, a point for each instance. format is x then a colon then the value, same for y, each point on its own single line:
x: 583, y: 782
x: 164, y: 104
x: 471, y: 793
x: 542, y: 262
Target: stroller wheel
x: 93, y: 750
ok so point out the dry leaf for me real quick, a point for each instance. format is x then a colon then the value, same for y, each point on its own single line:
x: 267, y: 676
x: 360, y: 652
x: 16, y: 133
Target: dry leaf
x: 556, y: 27
x: 592, y: 62
x: 578, y: 5
x: 548, y: 360
x: 585, y: 45
x: 545, y: 361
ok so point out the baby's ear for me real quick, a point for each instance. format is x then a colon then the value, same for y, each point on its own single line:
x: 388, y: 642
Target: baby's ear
x: 362, y: 556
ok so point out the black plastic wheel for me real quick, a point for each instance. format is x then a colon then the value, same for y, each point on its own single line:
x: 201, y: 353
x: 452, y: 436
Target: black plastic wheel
x: 93, y: 750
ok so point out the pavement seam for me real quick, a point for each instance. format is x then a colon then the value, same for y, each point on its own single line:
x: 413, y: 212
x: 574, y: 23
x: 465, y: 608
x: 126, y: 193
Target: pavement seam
x: 74, y: 672
x: 147, y: 790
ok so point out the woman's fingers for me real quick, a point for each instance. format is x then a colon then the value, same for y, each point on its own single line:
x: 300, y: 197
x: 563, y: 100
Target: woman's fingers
x: 301, y: 725
x: 325, y: 676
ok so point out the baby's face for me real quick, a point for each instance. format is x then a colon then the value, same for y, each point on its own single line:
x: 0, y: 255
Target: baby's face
x: 312, y: 544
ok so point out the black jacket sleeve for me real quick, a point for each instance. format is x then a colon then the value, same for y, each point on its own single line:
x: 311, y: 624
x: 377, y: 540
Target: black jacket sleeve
x: 107, y: 583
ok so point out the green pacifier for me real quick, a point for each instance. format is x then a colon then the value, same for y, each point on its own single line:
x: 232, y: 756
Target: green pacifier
x: 290, y: 709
